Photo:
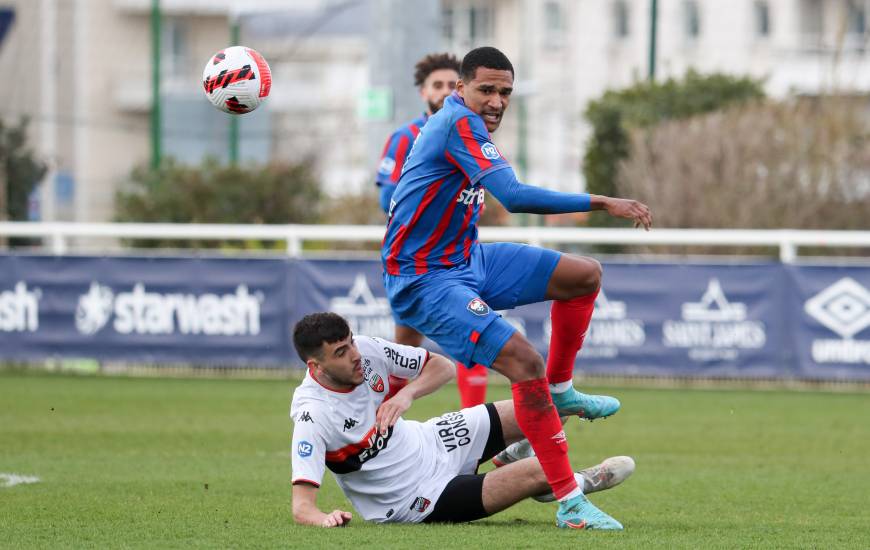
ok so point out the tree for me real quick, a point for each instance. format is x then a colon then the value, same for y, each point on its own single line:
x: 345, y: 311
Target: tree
x: 644, y: 105
x: 215, y: 193
x: 20, y: 168
x: 797, y: 164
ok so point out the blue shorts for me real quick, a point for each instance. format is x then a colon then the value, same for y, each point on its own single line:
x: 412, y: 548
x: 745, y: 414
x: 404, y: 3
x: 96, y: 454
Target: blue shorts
x: 456, y: 307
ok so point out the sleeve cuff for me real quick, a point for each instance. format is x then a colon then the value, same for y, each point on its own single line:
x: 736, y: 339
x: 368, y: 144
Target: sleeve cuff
x: 301, y: 481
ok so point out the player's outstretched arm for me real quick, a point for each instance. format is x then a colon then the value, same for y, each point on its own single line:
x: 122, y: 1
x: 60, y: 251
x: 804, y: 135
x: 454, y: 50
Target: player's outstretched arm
x: 519, y: 197
x: 629, y: 209
x: 437, y: 371
x: 305, y: 511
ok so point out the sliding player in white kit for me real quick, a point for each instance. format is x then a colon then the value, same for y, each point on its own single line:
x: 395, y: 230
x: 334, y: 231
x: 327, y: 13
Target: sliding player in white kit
x: 394, y: 470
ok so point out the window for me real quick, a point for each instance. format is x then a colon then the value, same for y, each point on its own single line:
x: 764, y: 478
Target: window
x: 811, y: 23
x: 856, y: 24
x: 447, y: 25
x: 553, y: 17
x: 762, y: 19
x: 176, y: 47
x: 621, y: 27
x: 554, y: 24
x: 480, y: 25
x: 466, y: 24
x: 691, y: 19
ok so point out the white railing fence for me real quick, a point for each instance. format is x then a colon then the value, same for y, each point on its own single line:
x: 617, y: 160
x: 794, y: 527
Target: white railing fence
x: 788, y: 241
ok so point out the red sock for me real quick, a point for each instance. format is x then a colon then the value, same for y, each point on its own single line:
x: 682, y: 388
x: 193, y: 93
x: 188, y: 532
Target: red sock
x: 569, y: 320
x: 539, y: 422
x: 472, y: 384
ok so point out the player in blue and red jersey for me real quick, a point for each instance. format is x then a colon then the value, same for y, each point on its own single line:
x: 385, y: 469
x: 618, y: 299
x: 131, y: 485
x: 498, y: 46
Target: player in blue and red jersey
x: 435, y: 75
x: 445, y: 284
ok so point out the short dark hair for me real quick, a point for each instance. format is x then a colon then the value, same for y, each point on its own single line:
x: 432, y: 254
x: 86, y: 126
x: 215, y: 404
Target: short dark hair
x: 434, y: 62
x: 314, y: 329
x: 488, y: 57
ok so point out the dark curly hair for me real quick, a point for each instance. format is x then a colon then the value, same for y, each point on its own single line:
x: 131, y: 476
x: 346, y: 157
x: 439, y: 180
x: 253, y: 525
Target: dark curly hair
x: 434, y: 62
x: 314, y: 329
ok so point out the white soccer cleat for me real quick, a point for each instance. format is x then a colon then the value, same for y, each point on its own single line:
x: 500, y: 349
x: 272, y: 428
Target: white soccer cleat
x: 610, y: 473
x: 515, y: 451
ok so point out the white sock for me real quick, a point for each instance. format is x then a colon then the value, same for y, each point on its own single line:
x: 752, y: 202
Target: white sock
x: 581, y: 481
x: 561, y: 387
x: 575, y: 493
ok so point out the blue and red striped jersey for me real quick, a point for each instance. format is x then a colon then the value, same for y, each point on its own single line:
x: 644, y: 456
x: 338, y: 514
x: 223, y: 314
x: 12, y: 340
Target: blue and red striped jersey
x: 434, y: 212
x: 396, y: 151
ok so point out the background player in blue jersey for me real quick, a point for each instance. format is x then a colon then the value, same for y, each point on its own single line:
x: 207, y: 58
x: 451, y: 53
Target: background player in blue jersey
x: 445, y: 284
x: 435, y: 75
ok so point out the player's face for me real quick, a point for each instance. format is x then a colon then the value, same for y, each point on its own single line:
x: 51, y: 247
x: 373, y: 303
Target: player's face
x: 437, y: 86
x: 341, y: 366
x: 488, y: 94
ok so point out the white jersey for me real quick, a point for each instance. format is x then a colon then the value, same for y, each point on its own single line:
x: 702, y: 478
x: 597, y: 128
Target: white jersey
x: 336, y: 430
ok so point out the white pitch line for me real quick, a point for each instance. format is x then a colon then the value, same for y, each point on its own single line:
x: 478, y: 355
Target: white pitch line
x: 10, y: 480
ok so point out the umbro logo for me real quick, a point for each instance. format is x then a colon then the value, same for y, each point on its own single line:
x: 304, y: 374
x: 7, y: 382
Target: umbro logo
x: 305, y: 417
x: 843, y: 307
x: 349, y: 423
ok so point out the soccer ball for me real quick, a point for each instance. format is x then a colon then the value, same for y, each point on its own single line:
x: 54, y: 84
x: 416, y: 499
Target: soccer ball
x: 237, y: 80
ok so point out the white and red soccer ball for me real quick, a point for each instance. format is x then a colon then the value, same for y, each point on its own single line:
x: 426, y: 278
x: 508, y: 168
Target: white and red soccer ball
x: 237, y: 80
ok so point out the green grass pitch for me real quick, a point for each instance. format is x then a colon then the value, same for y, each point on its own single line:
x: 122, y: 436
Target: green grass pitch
x: 172, y: 463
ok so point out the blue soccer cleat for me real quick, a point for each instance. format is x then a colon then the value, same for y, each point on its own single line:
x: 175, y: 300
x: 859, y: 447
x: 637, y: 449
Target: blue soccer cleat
x: 590, y: 407
x: 579, y: 513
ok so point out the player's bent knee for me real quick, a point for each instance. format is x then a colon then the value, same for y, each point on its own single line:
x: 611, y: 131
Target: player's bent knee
x: 519, y: 360
x: 589, y: 279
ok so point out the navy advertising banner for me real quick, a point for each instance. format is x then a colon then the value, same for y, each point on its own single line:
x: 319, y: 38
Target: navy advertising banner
x: 830, y: 321
x: 162, y: 310
x: 651, y: 319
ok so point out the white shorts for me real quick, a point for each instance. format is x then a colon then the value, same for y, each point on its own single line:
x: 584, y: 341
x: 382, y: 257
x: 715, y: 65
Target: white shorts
x: 457, y: 441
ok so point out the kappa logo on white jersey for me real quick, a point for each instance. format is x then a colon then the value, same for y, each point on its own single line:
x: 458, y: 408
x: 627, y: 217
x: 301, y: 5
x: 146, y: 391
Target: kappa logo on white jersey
x: 365, y: 313
x: 843, y: 307
x: 714, y: 306
x: 488, y: 150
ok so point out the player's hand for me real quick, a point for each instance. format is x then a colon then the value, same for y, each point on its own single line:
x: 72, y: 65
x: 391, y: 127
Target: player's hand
x: 390, y: 411
x: 632, y: 210
x: 336, y: 519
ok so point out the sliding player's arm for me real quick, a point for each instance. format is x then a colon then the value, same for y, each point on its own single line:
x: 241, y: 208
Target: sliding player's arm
x: 306, y: 512
x: 519, y: 197
x: 309, y: 465
x: 432, y: 372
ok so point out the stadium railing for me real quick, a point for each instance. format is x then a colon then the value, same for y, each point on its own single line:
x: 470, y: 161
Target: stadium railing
x: 788, y: 241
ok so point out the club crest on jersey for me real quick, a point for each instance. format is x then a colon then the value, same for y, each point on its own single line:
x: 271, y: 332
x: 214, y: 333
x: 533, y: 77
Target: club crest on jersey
x: 304, y: 449
x: 376, y: 382
x: 489, y: 151
x: 478, y: 307
x: 420, y: 504
x: 387, y: 166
